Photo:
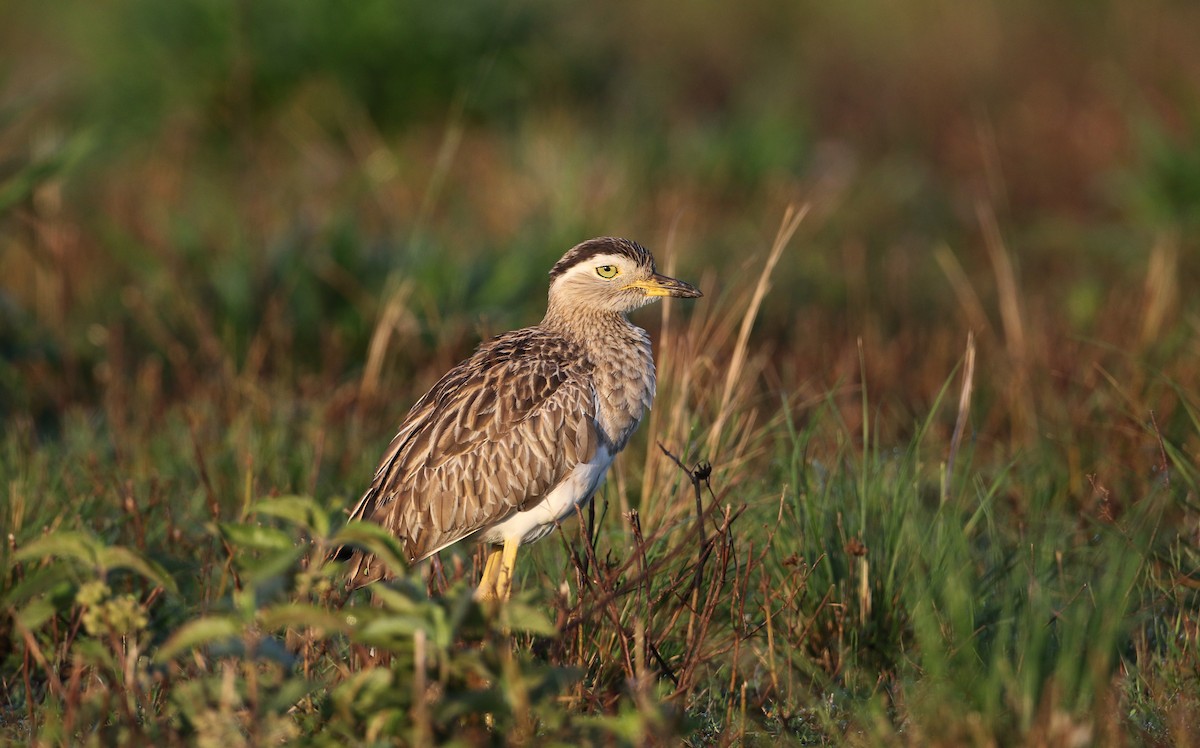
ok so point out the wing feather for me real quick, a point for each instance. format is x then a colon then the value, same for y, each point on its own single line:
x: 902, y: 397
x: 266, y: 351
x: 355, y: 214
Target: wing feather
x: 491, y: 437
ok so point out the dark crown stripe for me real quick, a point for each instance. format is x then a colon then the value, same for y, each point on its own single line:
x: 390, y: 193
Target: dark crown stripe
x: 604, y: 245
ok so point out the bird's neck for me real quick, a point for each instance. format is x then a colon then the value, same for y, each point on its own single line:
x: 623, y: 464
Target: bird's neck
x: 587, y: 327
x: 623, y: 365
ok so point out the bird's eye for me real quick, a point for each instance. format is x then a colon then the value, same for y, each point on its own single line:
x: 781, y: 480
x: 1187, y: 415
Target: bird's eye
x: 606, y: 271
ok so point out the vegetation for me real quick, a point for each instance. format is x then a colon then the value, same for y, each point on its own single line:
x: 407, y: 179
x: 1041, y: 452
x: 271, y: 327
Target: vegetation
x: 924, y: 463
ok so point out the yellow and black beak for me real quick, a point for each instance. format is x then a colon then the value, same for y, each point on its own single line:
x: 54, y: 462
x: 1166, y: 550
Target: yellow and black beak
x: 661, y: 285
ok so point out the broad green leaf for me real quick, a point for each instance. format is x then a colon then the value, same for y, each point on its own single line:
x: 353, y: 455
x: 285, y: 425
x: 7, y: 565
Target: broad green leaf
x: 394, y: 600
x: 257, y: 537
x: 95, y: 555
x: 35, y: 613
x: 119, y: 557
x: 392, y: 630
x: 518, y: 616
x: 270, y: 567
x: 377, y: 540
x: 40, y: 581
x: 198, y: 633
x: 66, y: 544
x: 299, y: 510
x: 296, y: 615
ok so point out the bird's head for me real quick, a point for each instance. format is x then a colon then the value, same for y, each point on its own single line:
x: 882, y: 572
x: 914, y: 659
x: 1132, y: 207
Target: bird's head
x: 611, y: 275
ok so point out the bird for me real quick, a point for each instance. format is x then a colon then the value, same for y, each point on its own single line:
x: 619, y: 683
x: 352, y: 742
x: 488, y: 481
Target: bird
x: 510, y: 441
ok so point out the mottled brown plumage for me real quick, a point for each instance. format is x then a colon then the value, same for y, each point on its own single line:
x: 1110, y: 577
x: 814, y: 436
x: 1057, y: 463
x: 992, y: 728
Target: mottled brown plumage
x: 510, y: 440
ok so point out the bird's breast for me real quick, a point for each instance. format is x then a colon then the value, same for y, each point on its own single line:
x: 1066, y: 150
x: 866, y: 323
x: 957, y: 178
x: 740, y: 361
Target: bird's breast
x: 624, y: 381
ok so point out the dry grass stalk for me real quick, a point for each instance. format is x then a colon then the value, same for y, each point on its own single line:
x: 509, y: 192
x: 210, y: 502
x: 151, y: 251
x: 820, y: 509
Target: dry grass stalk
x: 711, y: 355
x: 967, y: 297
x: 390, y: 322
x: 964, y: 412
x: 669, y: 588
x: 787, y: 229
x: 1161, y: 288
x: 422, y: 726
x: 1015, y: 338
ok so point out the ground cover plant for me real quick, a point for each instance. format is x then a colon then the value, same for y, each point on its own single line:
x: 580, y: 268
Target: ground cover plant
x: 922, y: 468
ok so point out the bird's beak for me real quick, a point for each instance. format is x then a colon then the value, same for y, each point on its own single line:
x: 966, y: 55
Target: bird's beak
x: 661, y: 285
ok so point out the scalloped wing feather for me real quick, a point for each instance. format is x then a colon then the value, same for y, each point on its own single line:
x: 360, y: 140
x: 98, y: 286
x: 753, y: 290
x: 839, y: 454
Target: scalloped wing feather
x: 490, y: 438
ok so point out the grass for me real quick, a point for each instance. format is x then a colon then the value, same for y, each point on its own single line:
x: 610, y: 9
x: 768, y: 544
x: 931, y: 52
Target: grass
x: 922, y: 468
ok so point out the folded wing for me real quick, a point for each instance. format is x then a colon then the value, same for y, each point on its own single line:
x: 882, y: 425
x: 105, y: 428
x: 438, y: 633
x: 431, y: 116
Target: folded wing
x: 491, y: 438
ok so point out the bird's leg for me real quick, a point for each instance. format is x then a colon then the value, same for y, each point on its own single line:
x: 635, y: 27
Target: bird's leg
x: 508, y: 563
x: 491, y: 568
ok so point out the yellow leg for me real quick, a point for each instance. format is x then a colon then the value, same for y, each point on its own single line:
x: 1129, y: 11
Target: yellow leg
x: 491, y: 568
x: 508, y: 562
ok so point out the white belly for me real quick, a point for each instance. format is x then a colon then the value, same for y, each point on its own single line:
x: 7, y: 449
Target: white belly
x: 557, y: 506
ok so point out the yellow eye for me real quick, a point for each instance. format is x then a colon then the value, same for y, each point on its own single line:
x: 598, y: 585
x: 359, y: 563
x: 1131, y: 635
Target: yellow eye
x: 606, y: 271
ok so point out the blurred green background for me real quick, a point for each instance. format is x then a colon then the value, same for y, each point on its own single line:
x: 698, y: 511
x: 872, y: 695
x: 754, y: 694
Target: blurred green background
x: 262, y: 170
